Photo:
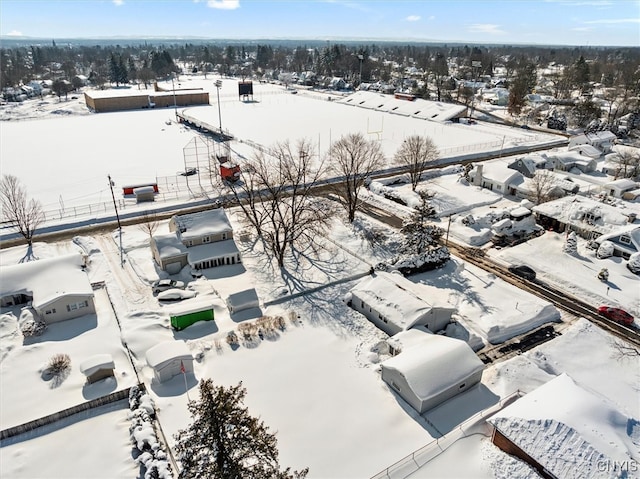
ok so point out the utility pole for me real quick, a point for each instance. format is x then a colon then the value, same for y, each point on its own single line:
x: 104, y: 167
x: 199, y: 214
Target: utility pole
x: 115, y: 205
x: 175, y: 105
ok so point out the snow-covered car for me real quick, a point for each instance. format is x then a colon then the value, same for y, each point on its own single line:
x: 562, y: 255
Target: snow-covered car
x: 523, y: 271
x: 165, y: 284
x: 616, y: 314
x: 176, y: 294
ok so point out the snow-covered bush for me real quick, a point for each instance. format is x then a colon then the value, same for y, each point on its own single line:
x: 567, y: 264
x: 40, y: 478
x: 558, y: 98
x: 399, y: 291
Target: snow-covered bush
x: 30, y: 325
x: 152, y: 460
x: 605, y: 250
x: 634, y: 263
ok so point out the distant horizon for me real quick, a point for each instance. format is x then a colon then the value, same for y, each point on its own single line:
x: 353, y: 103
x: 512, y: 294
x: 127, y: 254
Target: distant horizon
x: 570, y: 23
x: 311, y: 40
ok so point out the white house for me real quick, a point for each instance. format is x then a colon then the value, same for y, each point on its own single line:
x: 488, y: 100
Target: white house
x: 564, y: 430
x: 617, y: 188
x: 57, y: 288
x: 202, y: 240
x: 432, y: 370
x: 394, y: 303
x: 602, y: 140
x: 567, y: 160
x: 168, y: 358
x: 496, y: 176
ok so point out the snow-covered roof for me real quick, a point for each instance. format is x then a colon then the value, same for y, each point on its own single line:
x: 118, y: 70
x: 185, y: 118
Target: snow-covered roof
x: 434, y: 364
x: 167, y: 351
x: 633, y: 231
x: 572, y: 210
x: 418, y: 108
x: 95, y: 363
x: 601, y: 136
x: 187, y: 307
x: 568, y: 430
x: 133, y: 92
x: 396, y: 298
x: 409, y: 338
x: 47, y: 279
x: 519, y: 212
x: 197, y: 225
x: 587, y: 150
x: 169, y: 246
x: 621, y: 184
x: 243, y: 299
x: 570, y: 157
x: 202, y: 252
x: 498, y: 172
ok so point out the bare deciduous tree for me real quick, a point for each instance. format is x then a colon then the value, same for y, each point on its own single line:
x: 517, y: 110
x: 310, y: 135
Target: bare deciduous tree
x: 627, y: 163
x: 353, y: 158
x: 149, y: 223
x: 275, y: 195
x: 25, y: 214
x: 623, y: 350
x: 542, y: 186
x: 415, y: 153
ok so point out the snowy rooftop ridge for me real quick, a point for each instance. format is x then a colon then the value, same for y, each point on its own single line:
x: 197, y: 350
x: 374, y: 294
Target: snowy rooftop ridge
x: 47, y: 279
x: 561, y: 415
x: 196, y: 225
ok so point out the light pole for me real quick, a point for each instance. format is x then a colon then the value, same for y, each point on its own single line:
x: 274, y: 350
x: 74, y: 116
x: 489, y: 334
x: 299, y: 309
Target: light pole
x: 476, y: 65
x: 361, y: 58
x: 218, y: 86
x: 175, y: 105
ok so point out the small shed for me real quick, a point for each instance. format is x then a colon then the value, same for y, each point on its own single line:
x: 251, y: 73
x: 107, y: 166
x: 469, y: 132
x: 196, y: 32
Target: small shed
x: 167, y: 360
x: 432, y: 371
x: 187, y: 314
x: 97, y: 367
x: 144, y: 193
x: 242, y: 300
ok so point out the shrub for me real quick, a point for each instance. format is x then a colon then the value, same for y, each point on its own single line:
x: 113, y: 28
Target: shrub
x: 58, y: 364
x: 32, y: 327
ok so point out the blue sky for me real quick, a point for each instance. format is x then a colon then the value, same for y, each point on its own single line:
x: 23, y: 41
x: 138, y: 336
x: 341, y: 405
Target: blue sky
x: 564, y: 22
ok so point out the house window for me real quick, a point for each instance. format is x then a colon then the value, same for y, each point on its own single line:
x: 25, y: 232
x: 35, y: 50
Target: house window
x: 395, y: 386
x: 72, y: 307
x: 188, y: 243
x: 624, y: 239
x: 362, y: 304
x: 206, y: 239
x: 50, y: 311
x: 462, y: 385
x: 224, y: 236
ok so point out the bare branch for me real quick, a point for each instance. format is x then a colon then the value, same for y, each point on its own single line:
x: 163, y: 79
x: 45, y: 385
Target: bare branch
x: 415, y: 153
x: 23, y: 213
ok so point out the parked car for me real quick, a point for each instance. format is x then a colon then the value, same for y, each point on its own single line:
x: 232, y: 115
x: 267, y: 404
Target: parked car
x: 175, y: 294
x: 616, y: 314
x: 165, y: 284
x: 523, y: 271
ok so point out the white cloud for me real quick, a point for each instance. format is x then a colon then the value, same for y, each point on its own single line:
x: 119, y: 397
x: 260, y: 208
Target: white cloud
x: 14, y: 33
x: 413, y: 18
x: 613, y: 21
x: 432, y: 17
x: 224, y: 4
x: 117, y: 3
x: 489, y: 28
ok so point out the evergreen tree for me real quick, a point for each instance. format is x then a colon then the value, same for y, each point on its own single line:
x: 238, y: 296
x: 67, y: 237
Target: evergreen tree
x: 571, y: 244
x: 419, y: 234
x: 225, y: 441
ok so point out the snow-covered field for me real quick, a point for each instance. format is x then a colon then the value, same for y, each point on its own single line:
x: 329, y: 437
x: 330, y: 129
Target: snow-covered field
x: 317, y: 382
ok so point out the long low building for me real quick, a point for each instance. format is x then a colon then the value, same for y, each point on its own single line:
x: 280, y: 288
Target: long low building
x: 133, y: 99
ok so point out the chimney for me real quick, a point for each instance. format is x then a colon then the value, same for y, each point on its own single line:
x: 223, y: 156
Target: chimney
x: 477, y: 179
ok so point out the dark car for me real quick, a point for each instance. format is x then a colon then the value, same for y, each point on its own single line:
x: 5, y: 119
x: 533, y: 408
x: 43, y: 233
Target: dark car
x: 616, y: 314
x: 523, y: 271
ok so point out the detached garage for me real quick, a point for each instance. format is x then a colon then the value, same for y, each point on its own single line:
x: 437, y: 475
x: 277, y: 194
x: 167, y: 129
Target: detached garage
x: 432, y: 370
x: 242, y: 300
x: 166, y: 359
